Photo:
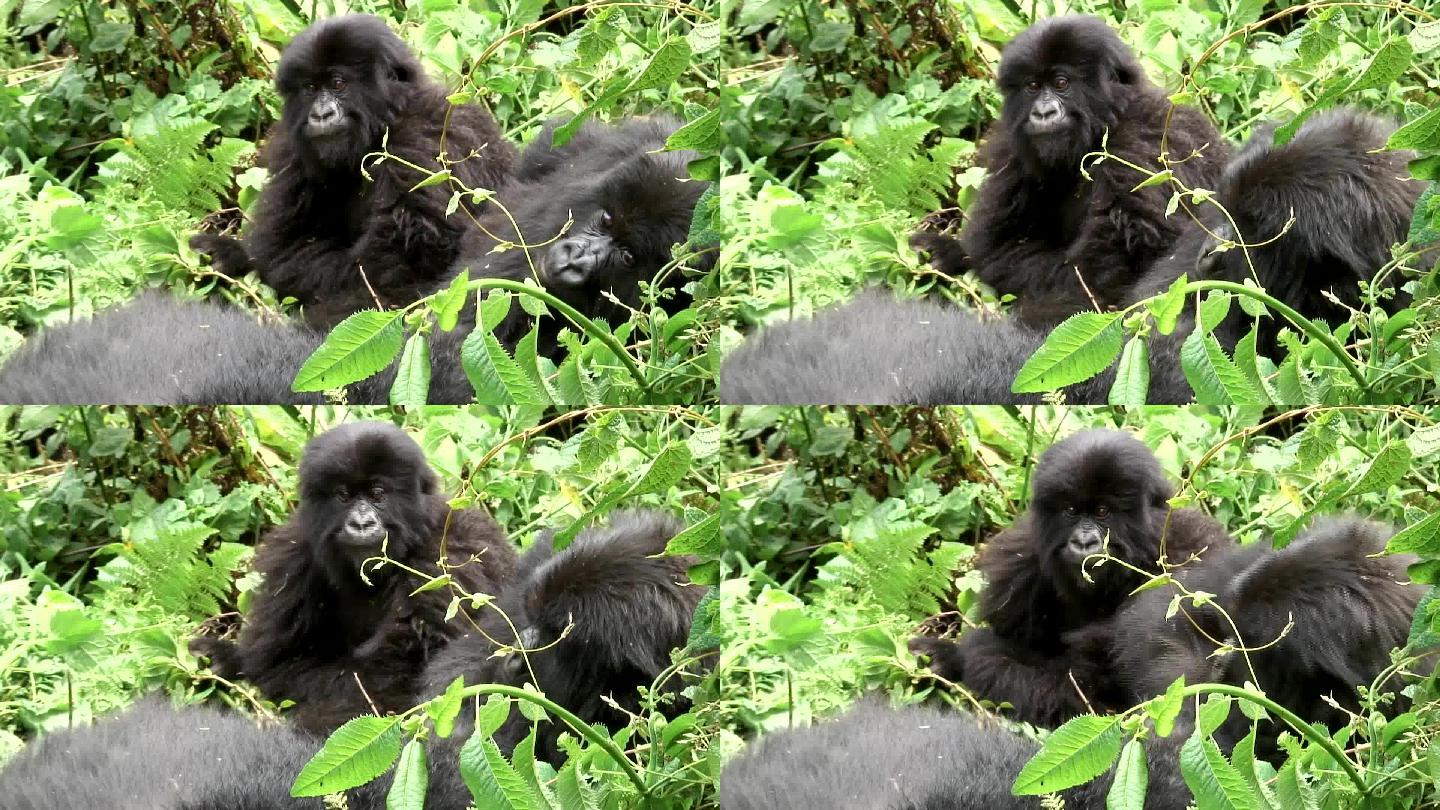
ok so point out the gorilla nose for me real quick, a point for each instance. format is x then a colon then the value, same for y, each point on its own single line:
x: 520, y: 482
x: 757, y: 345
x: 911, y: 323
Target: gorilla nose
x: 324, y: 115
x: 572, y: 261
x: 1045, y: 111
x: 1087, y: 540
x: 362, y: 526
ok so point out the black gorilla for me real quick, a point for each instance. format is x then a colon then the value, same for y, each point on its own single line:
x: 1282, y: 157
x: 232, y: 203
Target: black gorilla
x: 326, y: 234
x: 1349, y: 610
x: 161, y: 758
x: 323, y: 635
x: 630, y: 205
x: 1351, y: 204
x: 1041, y: 230
x: 913, y: 759
x: 1044, y: 651
x: 626, y: 609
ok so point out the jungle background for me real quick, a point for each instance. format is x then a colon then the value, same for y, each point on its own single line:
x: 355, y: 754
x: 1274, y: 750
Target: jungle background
x: 125, y: 126
x: 850, y: 529
x: 850, y: 122
x: 123, y: 529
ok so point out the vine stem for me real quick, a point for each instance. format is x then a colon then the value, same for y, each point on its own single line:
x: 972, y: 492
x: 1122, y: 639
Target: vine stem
x: 575, y: 723
x: 574, y: 316
x: 1290, y: 718
x: 1305, y: 324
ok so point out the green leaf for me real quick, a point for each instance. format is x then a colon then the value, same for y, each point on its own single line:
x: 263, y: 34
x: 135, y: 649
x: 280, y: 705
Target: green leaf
x: 492, y: 715
x: 703, y: 539
x: 444, y: 711
x: 442, y: 176
x: 1132, y: 377
x: 492, y: 782
x: 1386, y: 468
x: 1167, y: 307
x: 1132, y: 778
x: 412, y: 379
x: 362, y: 345
x: 493, y: 373
x: 1422, y: 133
x: 666, y: 470
x: 1215, y: 783
x: 1214, y: 378
x: 1073, y: 754
x: 701, y: 135
x: 412, y: 779
x: 1422, y: 538
x: 1079, y: 348
x: 1165, y: 710
x: 356, y: 753
x: 664, y: 66
x: 448, y: 303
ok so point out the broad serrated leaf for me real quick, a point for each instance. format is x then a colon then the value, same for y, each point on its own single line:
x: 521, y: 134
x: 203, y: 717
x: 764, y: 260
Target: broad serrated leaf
x: 444, y: 711
x: 1165, y: 710
x: 492, y: 782
x: 1214, y: 781
x: 1214, y: 377
x: 1132, y: 778
x: 702, y: 135
x: 666, y: 470
x: 1132, y: 376
x: 412, y: 779
x: 1385, y: 468
x: 1073, y: 754
x: 1422, y: 538
x: 412, y: 378
x: 356, y: 753
x: 702, y: 539
x: 1079, y: 348
x: 362, y: 345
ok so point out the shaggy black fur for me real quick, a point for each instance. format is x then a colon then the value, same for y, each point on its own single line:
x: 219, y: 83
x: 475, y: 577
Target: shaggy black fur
x: 1351, y: 204
x: 913, y: 759
x: 320, y: 222
x: 163, y: 758
x: 1039, y: 226
x: 629, y: 609
x: 1044, y: 650
x: 319, y: 634
x: 160, y: 351
x: 597, y: 219
x: 1349, y: 609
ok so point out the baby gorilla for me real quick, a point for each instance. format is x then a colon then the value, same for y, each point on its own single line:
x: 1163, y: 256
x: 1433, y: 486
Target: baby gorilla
x: 1320, y: 617
x: 338, y: 637
x: 1045, y: 650
x: 1043, y: 231
x: 334, y: 235
x: 598, y: 620
x: 597, y: 218
x: 913, y: 759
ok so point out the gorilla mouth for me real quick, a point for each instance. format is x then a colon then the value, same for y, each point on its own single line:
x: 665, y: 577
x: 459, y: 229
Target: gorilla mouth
x: 1042, y: 129
x: 326, y: 129
x: 363, y: 538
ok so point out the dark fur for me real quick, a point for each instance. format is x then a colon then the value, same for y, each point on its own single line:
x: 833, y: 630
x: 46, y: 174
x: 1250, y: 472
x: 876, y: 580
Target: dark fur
x: 160, y: 351
x: 1046, y: 622
x: 1350, y: 609
x: 615, y: 169
x: 1350, y: 207
x: 319, y: 221
x: 1351, y: 200
x: 629, y: 610
x: 315, y: 626
x: 912, y: 759
x: 1039, y: 226
x: 157, y: 757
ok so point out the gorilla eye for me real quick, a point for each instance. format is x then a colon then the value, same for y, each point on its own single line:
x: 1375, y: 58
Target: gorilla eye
x: 605, y: 219
x: 377, y: 493
x: 1070, y: 511
x: 1062, y: 83
x: 342, y: 494
x: 308, y: 87
x: 337, y: 83
x: 1032, y: 87
x: 1102, y: 511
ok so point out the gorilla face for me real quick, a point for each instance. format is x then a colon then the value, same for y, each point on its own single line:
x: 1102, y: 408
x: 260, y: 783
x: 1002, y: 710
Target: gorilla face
x: 343, y: 79
x: 362, y: 486
x: 1059, y: 79
x: 626, y: 221
x: 1098, y: 492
